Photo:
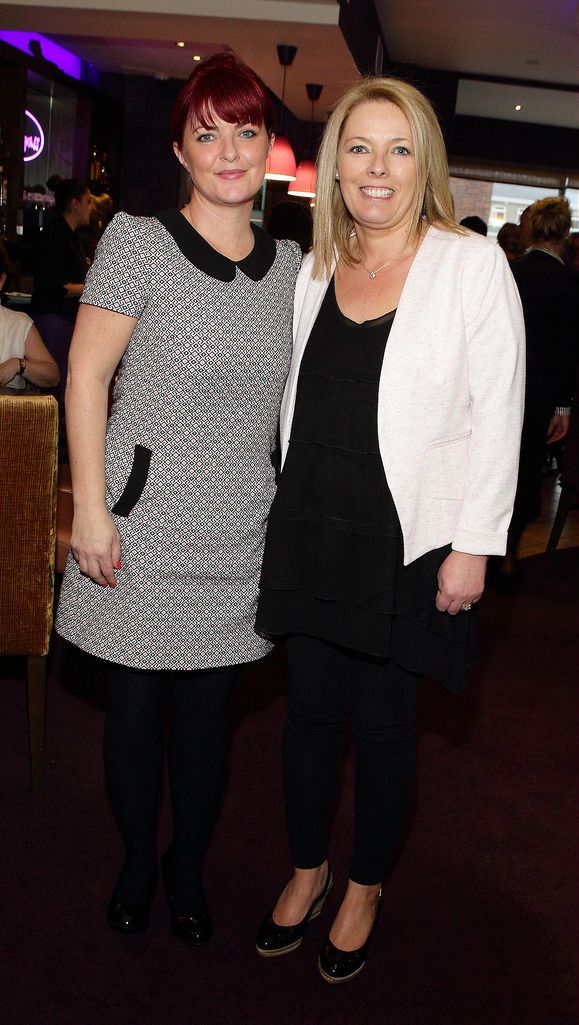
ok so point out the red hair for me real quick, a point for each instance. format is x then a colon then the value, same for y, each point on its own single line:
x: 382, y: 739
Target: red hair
x: 221, y: 86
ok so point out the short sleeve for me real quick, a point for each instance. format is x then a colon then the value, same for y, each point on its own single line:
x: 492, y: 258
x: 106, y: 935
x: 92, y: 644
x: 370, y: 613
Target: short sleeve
x: 120, y: 277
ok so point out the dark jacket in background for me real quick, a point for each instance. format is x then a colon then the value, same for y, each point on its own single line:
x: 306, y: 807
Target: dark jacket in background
x: 59, y: 259
x: 550, y: 296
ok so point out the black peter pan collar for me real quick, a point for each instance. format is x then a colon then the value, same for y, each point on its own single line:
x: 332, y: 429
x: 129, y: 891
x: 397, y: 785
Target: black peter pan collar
x: 193, y: 246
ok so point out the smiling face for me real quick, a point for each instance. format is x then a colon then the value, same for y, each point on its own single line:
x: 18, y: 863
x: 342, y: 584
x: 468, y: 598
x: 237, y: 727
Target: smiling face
x: 376, y: 167
x: 226, y: 161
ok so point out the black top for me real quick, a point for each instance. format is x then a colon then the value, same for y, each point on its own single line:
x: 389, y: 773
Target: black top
x: 59, y: 259
x: 333, y: 564
x: 255, y: 265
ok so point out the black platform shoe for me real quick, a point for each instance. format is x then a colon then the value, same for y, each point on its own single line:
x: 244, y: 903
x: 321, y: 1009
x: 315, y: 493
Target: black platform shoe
x: 195, y: 927
x: 273, y: 939
x: 337, y: 965
x: 128, y: 917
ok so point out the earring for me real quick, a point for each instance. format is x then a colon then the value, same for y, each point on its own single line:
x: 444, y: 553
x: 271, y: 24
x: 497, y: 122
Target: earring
x: 337, y: 176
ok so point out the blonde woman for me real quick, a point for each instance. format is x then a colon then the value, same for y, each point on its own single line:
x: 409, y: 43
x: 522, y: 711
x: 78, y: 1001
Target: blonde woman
x: 400, y: 431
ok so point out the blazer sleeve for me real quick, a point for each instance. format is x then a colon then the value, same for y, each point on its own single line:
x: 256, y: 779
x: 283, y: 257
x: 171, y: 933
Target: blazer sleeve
x: 495, y: 340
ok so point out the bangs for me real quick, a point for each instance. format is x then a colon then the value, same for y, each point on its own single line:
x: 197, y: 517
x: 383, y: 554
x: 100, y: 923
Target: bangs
x: 236, y: 106
x: 225, y: 88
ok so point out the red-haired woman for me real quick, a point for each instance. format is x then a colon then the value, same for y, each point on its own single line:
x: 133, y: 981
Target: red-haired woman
x: 172, y: 495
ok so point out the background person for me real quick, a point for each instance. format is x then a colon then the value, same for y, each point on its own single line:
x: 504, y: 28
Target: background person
x: 400, y: 432
x: 170, y: 507
x: 60, y: 267
x: 476, y: 224
x: 509, y: 239
x: 550, y: 298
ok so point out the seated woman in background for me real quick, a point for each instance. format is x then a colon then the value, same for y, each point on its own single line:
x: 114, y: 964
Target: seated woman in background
x: 400, y: 429
x: 23, y: 355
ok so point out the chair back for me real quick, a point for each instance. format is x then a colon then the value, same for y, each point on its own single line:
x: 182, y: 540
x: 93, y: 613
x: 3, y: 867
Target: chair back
x: 28, y: 469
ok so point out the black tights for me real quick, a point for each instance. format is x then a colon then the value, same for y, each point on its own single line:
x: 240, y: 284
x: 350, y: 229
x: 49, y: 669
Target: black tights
x: 136, y: 709
x: 325, y: 681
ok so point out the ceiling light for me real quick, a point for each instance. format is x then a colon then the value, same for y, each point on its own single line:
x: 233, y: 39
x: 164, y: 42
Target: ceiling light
x: 281, y: 163
x: 196, y: 57
x: 180, y: 43
x: 518, y: 106
x: 306, y: 179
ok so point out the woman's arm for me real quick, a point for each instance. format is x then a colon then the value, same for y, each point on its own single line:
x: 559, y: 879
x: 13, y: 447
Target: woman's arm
x: 41, y: 369
x: 495, y: 342
x: 9, y: 369
x: 495, y: 339
x: 99, y: 341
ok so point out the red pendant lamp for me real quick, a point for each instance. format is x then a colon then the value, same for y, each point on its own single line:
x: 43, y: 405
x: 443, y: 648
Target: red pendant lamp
x: 281, y: 163
x: 305, y: 180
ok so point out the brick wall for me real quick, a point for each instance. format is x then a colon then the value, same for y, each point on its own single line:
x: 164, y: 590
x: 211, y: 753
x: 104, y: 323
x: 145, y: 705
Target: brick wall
x: 471, y: 198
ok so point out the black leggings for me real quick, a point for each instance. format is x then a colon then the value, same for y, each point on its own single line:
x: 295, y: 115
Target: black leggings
x: 134, y: 739
x: 325, y: 681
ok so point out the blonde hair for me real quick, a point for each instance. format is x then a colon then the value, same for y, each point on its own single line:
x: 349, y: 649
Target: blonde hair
x: 550, y: 219
x: 433, y: 204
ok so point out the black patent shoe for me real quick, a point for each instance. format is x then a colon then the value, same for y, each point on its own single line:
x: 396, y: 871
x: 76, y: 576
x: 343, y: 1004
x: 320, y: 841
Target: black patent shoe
x: 128, y: 917
x: 195, y: 927
x: 337, y: 965
x: 273, y: 939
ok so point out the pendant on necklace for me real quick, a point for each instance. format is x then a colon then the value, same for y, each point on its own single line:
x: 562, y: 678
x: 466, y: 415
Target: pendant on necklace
x: 372, y: 274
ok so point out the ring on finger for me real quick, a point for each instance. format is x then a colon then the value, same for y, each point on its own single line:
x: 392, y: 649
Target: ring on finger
x: 467, y: 606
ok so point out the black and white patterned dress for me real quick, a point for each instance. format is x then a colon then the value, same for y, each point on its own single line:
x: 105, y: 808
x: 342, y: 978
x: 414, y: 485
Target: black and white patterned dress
x: 189, y: 473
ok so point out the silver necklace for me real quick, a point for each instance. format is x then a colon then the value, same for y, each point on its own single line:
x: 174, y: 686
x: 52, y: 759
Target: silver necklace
x: 372, y: 273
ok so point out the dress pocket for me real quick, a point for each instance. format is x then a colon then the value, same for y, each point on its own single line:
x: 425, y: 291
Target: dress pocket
x: 136, y: 481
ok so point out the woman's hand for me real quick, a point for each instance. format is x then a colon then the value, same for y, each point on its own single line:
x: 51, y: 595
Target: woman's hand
x: 9, y: 369
x: 96, y: 546
x: 557, y: 429
x: 461, y: 580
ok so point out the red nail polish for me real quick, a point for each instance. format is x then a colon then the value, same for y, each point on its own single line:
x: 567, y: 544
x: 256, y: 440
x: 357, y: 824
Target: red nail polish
x: 118, y: 564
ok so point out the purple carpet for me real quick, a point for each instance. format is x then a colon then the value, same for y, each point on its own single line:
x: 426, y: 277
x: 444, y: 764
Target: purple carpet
x: 478, y: 921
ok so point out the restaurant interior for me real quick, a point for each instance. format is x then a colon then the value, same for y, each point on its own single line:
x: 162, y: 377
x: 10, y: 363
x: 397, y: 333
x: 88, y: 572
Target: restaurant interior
x: 479, y: 924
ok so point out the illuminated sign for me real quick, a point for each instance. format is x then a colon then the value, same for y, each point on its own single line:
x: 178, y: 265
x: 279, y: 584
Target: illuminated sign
x: 33, y: 137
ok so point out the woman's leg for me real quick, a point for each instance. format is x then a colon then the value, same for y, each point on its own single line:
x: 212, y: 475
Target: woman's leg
x: 384, y: 702
x: 133, y: 756
x: 318, y: 700
x: 384, y: 723
x: 198, y: 744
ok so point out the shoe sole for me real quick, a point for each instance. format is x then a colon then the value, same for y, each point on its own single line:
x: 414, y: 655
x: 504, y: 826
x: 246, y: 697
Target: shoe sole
x: 316, y: 912
x: 282, y: 950
x: 345, y: 978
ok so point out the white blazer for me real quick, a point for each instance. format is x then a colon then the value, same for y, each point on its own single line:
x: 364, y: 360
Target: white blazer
x: 450, y: 402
